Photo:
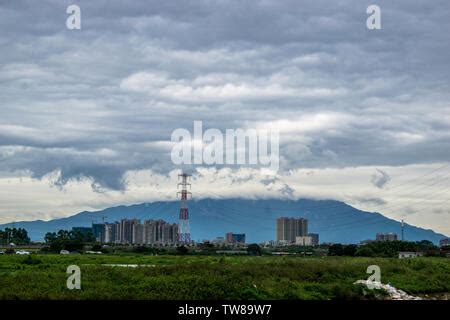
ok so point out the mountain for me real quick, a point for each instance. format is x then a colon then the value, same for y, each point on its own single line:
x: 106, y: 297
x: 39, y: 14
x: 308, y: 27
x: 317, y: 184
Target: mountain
x: 209, y: 218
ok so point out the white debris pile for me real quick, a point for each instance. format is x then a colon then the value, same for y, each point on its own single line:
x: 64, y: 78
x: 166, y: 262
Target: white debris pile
x: 394, y: 293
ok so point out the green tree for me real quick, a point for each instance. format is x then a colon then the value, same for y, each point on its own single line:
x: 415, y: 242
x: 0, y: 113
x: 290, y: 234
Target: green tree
x: 14, y: 235
x: 182, y: 250
x: 64, y: 240
x: 350, y: 250
x: 336, y: 250
x: 365, y: 251
x: 254, y: 249
x: 392, y: 248
x: 50, y: 237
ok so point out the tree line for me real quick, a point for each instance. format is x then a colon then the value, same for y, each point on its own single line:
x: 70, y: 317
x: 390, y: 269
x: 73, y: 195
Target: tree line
x: 383, y: 248
x: 14, y: 235
x: 67, y: 240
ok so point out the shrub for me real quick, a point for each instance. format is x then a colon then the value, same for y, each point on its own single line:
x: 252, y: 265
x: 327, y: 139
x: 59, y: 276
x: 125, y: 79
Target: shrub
x: 31, y: 261
x: 182, y: 250
x: 254, y: 249
x: 350, y: 250
x: 365, y: 251
x: 336, y: 250
x: 144, y: 250
x: 96, y: 247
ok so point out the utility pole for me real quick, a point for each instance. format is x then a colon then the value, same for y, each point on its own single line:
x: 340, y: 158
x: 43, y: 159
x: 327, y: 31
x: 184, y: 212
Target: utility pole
x: 184, y: 235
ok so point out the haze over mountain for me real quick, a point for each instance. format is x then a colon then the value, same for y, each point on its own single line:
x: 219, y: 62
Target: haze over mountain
x: 209, y: 218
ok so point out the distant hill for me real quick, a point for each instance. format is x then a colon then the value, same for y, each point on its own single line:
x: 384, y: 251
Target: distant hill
x: 209, y: 218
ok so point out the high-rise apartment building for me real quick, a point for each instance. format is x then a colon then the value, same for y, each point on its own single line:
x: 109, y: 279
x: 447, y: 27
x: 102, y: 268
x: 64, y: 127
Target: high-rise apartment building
x: 169, y: 233
x: 290, y: 228
x: 386, y: 236
x: 115, y: 232
x: 131, y: 231
x: 98, y: 231
x: 138, y: 233
x: 150, y: 231
x: 108, y: 234
x: 126, y: 230
x: 159, y: 232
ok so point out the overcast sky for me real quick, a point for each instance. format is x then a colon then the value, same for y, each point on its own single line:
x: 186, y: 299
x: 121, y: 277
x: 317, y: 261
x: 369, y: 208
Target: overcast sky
x: 86, y: 115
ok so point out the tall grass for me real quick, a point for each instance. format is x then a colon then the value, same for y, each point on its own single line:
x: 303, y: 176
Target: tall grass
x: 213, y: 277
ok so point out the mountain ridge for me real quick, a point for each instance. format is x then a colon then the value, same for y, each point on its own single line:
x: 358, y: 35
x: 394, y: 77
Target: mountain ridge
x: 335, y: 221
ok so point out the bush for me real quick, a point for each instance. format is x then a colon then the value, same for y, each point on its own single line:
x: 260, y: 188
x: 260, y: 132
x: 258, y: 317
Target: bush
x: 336, y: 250
x: 365, y: 251
x: 96, y: 247
x: 144, y: 250
x: 254, y: 249
x: 391, y: 248
x: 182, y: 250
x: 346, y: 292
x: 350, y: 250
x: 31, y: 261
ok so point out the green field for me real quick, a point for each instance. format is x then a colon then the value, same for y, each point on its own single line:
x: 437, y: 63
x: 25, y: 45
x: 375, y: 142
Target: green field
x: 43, y: 276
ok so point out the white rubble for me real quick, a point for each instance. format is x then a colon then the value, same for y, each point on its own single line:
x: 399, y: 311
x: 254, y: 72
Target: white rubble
x: 394, y: 293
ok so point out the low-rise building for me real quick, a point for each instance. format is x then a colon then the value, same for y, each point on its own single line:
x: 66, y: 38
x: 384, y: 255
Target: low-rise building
x: 283, y: 243
x: 218, y: 241
x: 314, y: 238
x: 269, y: 243
x: 303, y: 241
x: 409, y: 254
x: 235, y: 238
x: 444, y: 242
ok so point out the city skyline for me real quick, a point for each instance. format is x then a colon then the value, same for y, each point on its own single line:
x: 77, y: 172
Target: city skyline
x: 132, y: 231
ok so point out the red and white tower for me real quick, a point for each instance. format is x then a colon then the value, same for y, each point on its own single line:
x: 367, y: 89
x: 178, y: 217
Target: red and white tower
x: 184, y: 235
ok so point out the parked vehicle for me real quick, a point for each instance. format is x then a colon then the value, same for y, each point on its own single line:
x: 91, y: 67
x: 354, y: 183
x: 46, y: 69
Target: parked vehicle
x: 22, y: 252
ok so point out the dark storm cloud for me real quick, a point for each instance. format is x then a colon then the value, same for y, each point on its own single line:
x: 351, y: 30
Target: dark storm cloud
x: 103, y: 100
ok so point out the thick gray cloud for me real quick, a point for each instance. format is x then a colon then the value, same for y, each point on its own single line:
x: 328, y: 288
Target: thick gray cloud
x: 104, y: 100
x: 380, y: 178
x: 287, y: 191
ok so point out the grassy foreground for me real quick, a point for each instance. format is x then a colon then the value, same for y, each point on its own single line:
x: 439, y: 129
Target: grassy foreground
x: 214, y: 277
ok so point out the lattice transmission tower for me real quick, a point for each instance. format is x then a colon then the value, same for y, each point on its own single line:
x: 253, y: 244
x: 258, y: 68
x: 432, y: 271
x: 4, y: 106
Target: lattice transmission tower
x: 184, y: 235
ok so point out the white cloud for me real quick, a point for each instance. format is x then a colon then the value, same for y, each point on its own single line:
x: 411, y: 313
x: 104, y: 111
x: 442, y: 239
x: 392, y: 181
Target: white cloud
x: 412, y: 202
x: 220, y: 88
